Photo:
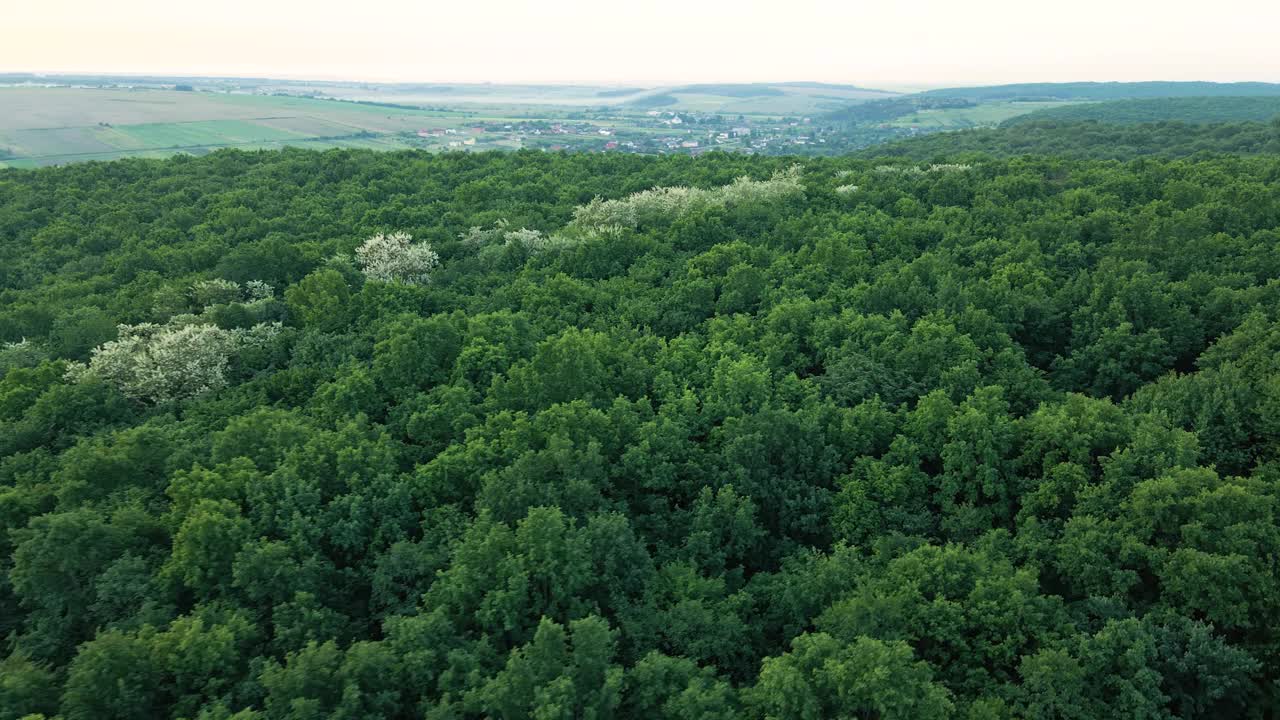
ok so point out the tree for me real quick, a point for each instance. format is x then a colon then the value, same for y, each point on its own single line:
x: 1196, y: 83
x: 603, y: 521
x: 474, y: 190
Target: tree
x: 320, y: 300
x: 75, y: 334
x: 160, y: 364
x: 26, y: 687
x: 823, y: 678
x: 396, y: 258
x: 558, y: 675
x: 115, y: 677
x: 988, y: 437
x: 659, y: 686
x: 211, y: 534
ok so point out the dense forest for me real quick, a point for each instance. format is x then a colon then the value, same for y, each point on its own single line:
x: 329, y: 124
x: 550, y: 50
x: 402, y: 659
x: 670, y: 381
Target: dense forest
x: 300, y: 435
x: 1154, y: 110
x: 1090, y: 140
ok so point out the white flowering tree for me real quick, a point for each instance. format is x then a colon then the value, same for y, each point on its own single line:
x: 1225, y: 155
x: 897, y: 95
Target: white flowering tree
x: 182, y: 362
x: 913, y: 170
x: 256, y: 290
x: 396, y: 258
x: 162, y: 363
x: 663, y: 204
x: 500, y: 236
x: 159, y: 363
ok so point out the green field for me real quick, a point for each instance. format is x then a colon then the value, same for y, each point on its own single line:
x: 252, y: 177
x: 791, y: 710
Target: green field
x: 46, y: 126
x: 52, y: 126
x: 57, y: 125
x: 976, y: 116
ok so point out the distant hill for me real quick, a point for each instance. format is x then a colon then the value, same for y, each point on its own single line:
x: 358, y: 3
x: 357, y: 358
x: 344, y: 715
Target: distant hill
x: 620, y: 92
x: 1180, y: 109
x: 1106, y: 90
x: 738, y: 90
x: 834, y: 86
x: 755, y: 90
x: 1089, y: 140
x: 781, y: 98
x: 876, y: 111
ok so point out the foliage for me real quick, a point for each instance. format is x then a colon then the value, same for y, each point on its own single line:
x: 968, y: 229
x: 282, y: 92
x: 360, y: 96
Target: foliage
x: 1092, y: 139
x: 884, y: 437
x: 395, y: 258
x: 1172, y: 109
x: 160, y: 364
x: 666, y: 204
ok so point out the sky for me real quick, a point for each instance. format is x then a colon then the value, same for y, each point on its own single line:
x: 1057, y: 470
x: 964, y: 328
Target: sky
x: 895, y: 44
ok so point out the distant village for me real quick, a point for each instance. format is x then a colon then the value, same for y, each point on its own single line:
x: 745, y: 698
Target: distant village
x: 652, y: 132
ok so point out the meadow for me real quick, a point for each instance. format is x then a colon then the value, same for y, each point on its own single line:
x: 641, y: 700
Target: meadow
x: 992, y: 113
x: 48, y: 126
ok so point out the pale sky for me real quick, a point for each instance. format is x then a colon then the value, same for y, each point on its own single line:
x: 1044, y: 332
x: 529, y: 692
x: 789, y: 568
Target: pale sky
x: 888, y: 43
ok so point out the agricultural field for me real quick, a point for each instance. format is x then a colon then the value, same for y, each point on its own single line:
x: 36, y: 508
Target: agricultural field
x: 56, y: 125
x: 79, y: 119
x: 51, y: 126
x: 985, y: 114
x: 48, y: 126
